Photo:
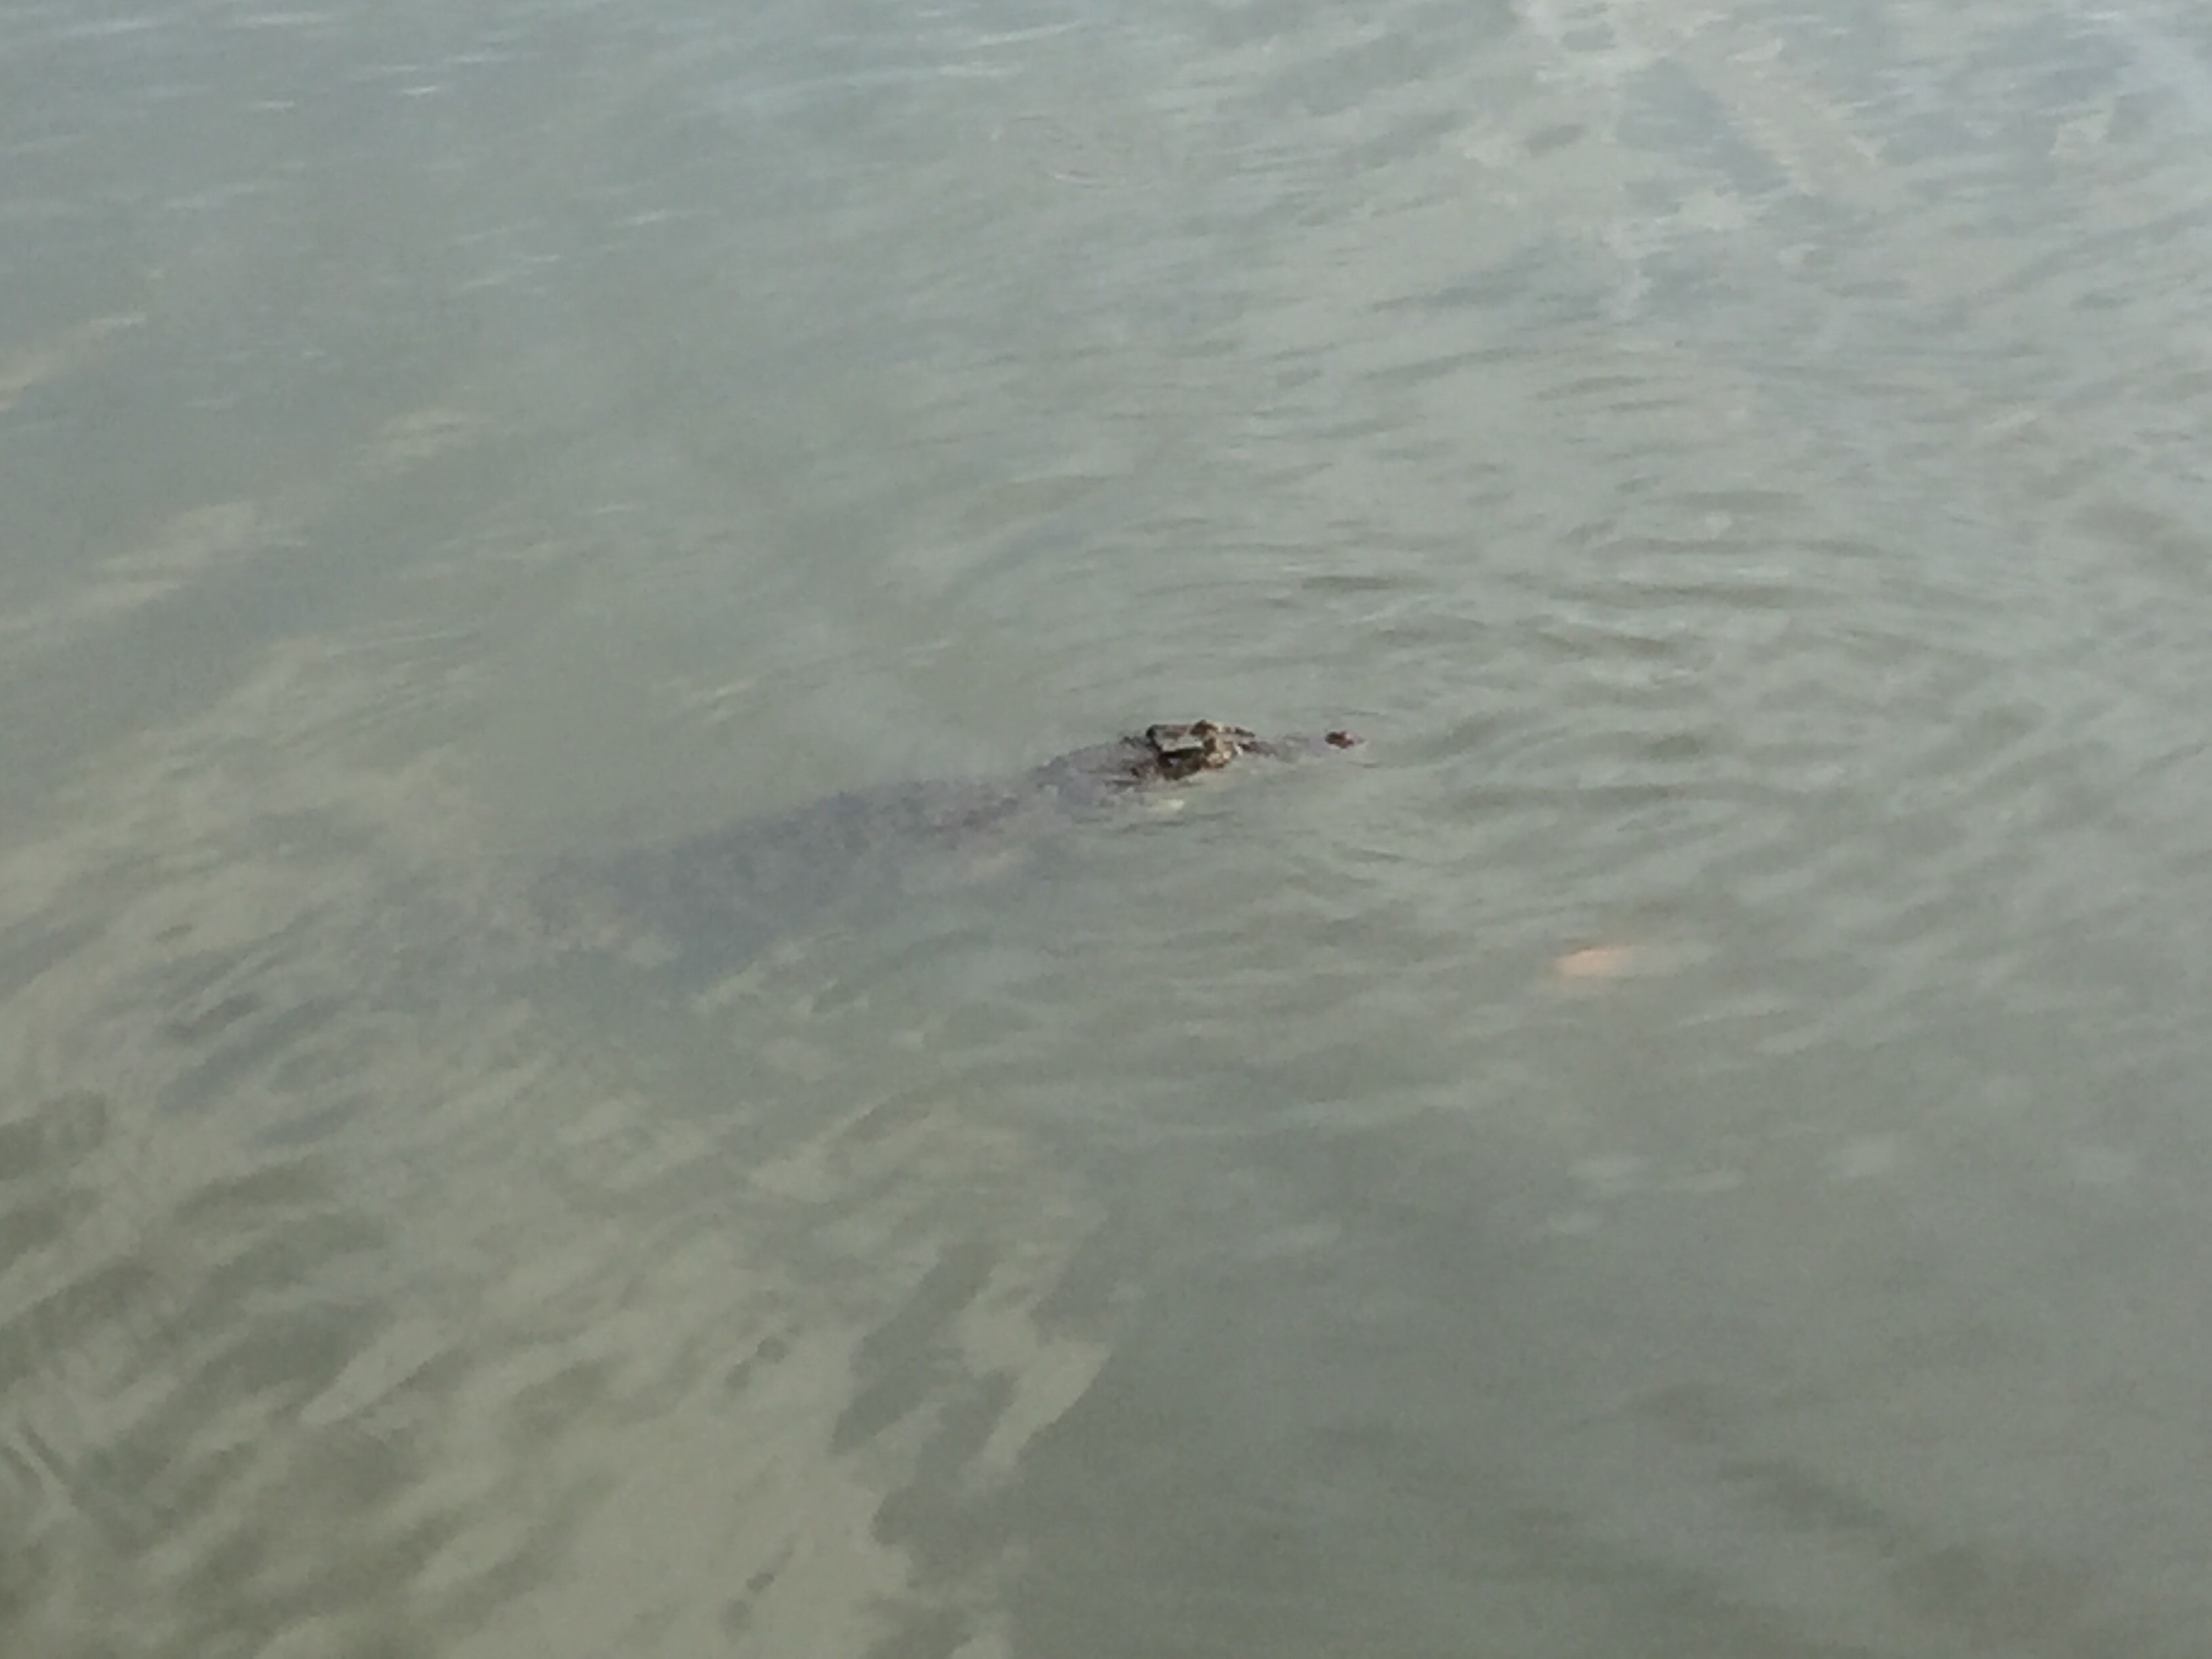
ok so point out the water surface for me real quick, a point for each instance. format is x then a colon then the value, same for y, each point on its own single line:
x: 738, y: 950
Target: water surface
x: 1692, y: 1142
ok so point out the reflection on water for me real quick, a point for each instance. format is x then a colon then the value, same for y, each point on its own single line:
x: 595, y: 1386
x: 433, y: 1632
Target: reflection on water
x: 1691, y: 1145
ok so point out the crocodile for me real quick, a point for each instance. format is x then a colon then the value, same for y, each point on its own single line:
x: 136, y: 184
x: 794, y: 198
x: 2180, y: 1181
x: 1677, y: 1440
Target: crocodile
x: 703, y: 906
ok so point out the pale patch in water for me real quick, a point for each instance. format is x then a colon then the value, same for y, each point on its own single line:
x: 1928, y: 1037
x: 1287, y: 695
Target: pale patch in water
x: 1595, y: 961
x: 1618, y: 959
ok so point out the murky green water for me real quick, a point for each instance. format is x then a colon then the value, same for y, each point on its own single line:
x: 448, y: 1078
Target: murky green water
x: 1691, y: 1142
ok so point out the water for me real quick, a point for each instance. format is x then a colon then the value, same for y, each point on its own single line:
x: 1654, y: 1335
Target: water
x: 1691, y: 1142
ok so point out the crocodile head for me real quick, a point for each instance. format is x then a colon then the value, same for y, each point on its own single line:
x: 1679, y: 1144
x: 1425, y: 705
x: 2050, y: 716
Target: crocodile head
x: 1171, y: 752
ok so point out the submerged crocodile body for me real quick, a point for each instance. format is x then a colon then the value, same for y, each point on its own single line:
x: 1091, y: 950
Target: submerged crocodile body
x: 705, y: 905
